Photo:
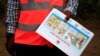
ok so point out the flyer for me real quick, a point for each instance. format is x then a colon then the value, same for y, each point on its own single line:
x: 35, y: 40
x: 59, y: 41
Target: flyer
x: 70, y: 37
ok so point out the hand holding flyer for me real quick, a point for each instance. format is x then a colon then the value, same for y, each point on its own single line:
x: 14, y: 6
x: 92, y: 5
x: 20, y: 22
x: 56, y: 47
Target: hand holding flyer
x: 70, y: 37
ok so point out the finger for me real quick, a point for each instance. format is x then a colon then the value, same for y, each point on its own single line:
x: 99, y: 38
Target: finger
x: 66, y: 19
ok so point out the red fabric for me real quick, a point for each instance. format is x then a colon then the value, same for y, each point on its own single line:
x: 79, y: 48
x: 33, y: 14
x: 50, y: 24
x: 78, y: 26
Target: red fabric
x: 57, y: 2
x: 33, y: 17
x: 41, y: 0
x: 30, y: 38
x: 23, y: 1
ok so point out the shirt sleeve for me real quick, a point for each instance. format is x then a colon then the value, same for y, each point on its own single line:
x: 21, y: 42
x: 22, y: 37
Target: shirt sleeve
x: 72, y: 6
x: 12, y: 15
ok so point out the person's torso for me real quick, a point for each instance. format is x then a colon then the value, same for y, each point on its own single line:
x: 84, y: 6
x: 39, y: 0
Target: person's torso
x: 33, y: 12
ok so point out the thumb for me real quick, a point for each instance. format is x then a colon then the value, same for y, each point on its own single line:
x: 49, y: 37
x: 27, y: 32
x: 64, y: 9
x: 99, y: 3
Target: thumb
x: 68, y: 15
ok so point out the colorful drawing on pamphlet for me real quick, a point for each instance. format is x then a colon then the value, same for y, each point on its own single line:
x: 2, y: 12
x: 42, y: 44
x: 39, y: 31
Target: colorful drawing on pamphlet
x: 61, y: 29
x: 52, y: 22
x: 75, y: 38
x: 70, y: 36
x: 66, y: 32
x: 80, y: 40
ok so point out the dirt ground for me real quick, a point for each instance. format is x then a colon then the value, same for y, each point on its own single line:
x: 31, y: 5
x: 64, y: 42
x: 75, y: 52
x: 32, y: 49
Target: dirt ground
x: 3, y: 51
x: 93, y: 49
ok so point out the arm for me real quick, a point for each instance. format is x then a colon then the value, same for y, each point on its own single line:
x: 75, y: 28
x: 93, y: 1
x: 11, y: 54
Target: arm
x: 12, y: 15
x: 72, y: 6
x: 11, y: 20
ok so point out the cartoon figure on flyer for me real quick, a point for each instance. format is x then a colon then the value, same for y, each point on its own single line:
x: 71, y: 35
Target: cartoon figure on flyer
x: 52, y: 22
x: 72, y: 38
x: 81, y: 40
x: 78, y: 40
x: 61, y: 28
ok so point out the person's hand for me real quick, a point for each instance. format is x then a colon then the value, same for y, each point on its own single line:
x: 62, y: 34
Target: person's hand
x: 68, y: 14
x: 10, y: 43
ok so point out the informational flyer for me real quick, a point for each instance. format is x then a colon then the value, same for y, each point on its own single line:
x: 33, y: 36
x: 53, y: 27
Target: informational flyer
x: 70, y: 37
